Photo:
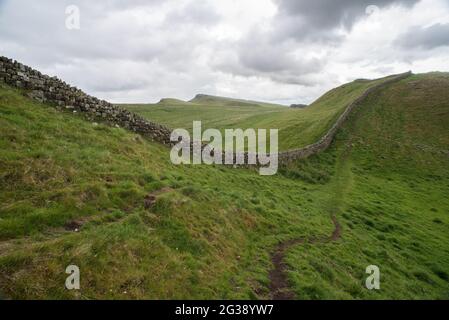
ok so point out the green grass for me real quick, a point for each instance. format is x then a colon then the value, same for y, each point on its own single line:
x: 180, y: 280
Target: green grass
x: 297, y: 127
x: 230, y: 102
x: 178, y: 114
x: 393, y: 183
x: 199, y: 241
x: 211, y: 233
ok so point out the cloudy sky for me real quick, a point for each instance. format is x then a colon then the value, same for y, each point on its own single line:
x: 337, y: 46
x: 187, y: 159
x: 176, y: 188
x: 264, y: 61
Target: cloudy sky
x: 288, y: 51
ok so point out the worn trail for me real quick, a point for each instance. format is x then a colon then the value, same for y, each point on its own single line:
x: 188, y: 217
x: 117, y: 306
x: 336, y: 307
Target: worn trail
x: 279, y: 284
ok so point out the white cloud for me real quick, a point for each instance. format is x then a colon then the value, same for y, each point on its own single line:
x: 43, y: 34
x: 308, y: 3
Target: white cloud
x: 141, y: 51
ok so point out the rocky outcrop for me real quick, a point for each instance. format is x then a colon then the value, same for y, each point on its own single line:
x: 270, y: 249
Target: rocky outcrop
x: 53, y: 90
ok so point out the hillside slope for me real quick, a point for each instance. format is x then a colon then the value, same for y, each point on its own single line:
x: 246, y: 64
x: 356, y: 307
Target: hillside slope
x: 102, y: 198
x: 390, y: 186
x: 182, y: 115
x: 297, y: 127
x: 61, y: 174
x: 230, y: 102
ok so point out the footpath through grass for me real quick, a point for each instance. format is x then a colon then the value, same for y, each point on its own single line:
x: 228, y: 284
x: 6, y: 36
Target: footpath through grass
x: 393, y: 204
x: 208, y: 237
x: 211, y: 232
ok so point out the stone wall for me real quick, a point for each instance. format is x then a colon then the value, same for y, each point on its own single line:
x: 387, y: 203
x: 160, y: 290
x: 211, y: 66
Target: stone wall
x: 53, y: 90
x: 326, y: 140
x: 50, y: 89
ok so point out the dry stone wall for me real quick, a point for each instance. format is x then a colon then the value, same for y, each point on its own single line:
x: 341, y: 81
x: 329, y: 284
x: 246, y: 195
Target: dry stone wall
x: 326, y: 140
x: 53, y: 90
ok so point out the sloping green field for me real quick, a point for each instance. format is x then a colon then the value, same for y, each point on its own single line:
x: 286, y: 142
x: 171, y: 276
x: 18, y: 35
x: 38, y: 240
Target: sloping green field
x: 74, y: 193
x: 204, y: 99
x: 213, y: 114
x: 297, y: 127
x: 391, y: 178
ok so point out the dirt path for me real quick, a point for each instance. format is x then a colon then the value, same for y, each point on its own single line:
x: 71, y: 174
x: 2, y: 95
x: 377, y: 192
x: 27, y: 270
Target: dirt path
x: 279, y: 285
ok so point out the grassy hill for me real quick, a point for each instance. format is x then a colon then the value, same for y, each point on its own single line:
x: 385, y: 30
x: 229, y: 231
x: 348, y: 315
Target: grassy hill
x: 214, y: 112
x: 174, y: 102
x: 391, y: 177
x: 230, y: 102
x: 77, y: 193
x: 297, y: 127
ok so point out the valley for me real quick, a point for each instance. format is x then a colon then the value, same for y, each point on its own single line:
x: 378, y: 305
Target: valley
x: 110, y: 201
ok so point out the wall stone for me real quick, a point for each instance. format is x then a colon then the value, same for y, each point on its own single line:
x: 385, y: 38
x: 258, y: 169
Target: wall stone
x: 326, y: 140
x: 53, y: 90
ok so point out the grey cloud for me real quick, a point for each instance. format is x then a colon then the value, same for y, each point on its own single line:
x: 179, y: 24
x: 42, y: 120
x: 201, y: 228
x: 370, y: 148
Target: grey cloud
x: 302, y: 19
x: 118, y: 86
x: 198, y: 13
x: 141, y: 50
x: 431, y: 37
x: 281, y: 67
x: 113, y: 33
x: 42, y: 28
x: 259, y: 54
x: 300, y: 24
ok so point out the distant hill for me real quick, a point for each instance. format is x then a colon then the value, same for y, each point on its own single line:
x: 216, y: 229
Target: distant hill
x: 216, y: 100
x: 299, y: 106
x: 77, y: 192
x: 173, y: 102
x: 298, y: 127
